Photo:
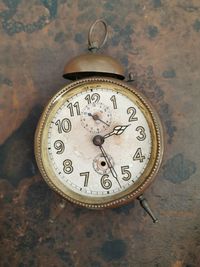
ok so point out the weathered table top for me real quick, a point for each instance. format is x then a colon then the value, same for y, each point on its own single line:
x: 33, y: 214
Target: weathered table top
x: 159, y: 42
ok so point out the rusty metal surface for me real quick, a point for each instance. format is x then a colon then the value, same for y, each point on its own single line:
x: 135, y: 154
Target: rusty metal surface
x: 159, y: 42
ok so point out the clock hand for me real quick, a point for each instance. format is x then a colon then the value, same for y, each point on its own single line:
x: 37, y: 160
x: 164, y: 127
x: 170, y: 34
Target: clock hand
x: 98, y: 140
x: 118, y: 130
x: 114, y: 174
x: 96, y: 118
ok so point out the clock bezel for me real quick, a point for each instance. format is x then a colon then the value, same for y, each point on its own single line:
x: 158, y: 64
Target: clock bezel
x: 147, y: 176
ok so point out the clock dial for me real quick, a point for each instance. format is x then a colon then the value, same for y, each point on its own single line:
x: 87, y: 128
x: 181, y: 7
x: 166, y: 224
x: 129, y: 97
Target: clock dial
x: 99, y: 142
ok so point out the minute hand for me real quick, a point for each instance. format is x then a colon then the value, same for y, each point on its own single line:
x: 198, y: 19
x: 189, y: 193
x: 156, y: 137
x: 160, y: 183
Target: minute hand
x: 118, y: 130
x: 114, y: 174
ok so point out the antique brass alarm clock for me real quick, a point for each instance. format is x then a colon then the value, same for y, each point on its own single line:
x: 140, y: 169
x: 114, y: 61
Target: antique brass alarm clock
x: 99, y: 142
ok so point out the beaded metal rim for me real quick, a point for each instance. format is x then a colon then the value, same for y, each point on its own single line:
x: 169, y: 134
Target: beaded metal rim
x: 159, y: 140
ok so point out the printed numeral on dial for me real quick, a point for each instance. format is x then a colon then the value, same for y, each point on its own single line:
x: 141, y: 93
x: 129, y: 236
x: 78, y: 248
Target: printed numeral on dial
x: 59, y: 146
x: 138, y: 155
x: 67, y: 166
x: 132, y: 111
x: 94, y: 98
x: 86, y: 174
x: 105, y: 182
x: 142, y: 133
x: 64, y: 125
x: 72, y: 107
x: 113, y: 99
x: 126, y: 172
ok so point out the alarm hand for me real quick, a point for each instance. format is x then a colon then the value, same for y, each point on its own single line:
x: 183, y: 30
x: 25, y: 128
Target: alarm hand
x: 118, y: 130
x: 96, y: 118
x: 98, y: 140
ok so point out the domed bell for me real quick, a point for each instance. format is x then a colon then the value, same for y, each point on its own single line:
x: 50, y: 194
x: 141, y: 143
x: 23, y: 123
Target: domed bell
x: 88, y: 65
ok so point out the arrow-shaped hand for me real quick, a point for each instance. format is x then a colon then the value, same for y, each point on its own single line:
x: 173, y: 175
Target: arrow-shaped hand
x: 118, y: 130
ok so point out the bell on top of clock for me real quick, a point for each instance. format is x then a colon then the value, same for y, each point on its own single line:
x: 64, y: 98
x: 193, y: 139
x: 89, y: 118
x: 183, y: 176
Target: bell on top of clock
x: 94, y: 64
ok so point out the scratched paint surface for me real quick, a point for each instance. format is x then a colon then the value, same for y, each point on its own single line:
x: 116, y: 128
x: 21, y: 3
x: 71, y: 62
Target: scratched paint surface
x: 158, y: 41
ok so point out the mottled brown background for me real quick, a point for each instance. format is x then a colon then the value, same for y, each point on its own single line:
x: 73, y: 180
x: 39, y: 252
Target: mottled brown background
x: 159, y: 41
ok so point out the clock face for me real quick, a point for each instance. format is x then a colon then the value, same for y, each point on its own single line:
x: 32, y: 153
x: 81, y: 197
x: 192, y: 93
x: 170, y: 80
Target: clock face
x: 98, y: 143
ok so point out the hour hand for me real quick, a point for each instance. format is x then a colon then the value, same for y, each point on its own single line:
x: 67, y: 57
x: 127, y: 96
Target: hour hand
x: 118, y: 130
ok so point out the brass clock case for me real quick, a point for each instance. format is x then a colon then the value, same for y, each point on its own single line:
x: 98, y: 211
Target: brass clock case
x: 151, y: 169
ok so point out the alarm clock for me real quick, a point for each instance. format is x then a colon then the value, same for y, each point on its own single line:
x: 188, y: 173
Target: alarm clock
x: 99, y: 142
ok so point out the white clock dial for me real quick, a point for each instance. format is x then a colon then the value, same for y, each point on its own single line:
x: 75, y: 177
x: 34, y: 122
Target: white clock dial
x: 98, y: 170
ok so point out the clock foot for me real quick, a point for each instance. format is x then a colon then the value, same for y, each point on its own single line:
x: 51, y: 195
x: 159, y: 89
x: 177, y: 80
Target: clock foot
x: 145, y: 206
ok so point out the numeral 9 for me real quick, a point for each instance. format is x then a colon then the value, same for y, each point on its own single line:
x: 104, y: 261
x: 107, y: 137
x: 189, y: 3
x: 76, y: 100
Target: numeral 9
x: 59, y: 145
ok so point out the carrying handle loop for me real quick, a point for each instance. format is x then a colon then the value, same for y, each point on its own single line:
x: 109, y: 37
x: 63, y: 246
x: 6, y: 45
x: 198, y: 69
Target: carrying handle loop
x: 94, y: 46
